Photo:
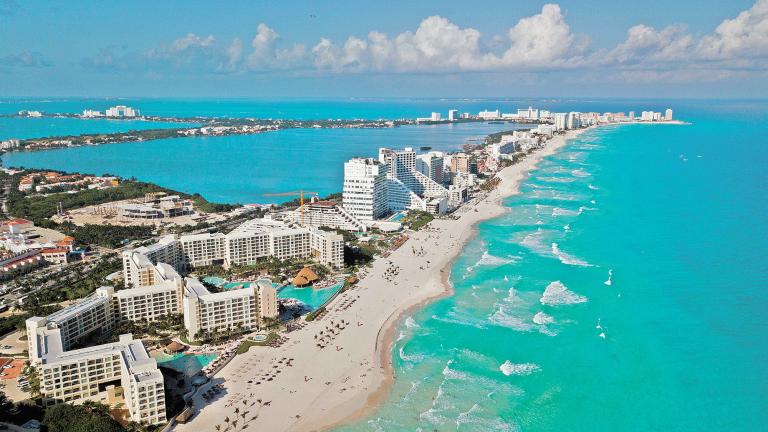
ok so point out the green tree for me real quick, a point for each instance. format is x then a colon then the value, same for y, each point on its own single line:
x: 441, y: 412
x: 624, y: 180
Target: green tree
x: 80, y: 418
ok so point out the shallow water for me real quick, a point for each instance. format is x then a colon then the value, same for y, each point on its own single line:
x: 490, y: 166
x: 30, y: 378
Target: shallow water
x: 631, y: 296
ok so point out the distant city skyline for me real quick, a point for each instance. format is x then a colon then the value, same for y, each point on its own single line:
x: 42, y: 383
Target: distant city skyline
x: 400, y: 49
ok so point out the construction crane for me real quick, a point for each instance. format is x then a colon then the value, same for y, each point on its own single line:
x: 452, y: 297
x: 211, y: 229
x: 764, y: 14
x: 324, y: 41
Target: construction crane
x: 300, y: 194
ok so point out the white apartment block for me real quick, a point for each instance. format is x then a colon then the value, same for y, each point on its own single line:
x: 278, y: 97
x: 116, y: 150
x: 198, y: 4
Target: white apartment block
x: 453, y: 114
x: 121, y: 111
x: 73, y: 323
x: 245, y: 245
x: 373, y: 189
x: 327, y: 214
x: 560, y: 121
x: 365, y: 189
x: 205, y: 311
x: 148, y: 303
x: 431, y: 165
x: 529, y: 113
x: 489, y: 115
x: 407, y: 188
x: 260, y: 238
x: 83, y: 374
x: 203, y: 249
x: 267, y: 299
x: 573, y: 120
x: 327, y: 247
x: 138, y: 264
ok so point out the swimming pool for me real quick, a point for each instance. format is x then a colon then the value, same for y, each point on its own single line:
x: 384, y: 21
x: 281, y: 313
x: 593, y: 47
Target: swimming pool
x: 189, y: 364
x: 224, y: 284
x: 232, y: 285
x: 313, y: 298
x: 215, y: 280
x: 397, y: 217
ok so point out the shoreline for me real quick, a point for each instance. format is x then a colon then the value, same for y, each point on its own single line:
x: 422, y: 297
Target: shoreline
x: 512, y: 179
x: 349, y: 378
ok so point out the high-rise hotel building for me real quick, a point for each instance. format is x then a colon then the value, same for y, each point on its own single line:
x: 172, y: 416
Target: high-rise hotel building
x: 76, y: 375
x: 365, y: 188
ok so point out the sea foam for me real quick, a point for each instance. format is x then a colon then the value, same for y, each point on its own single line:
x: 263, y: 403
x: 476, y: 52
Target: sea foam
x: 541, y: 318
x: 566, y: 258
x: 559, y: 211
x: 491, y: 260
x: 412, y: 358
x: 411, y: 323
x: 557, y: 294
x: 580, y: 173
x: 520, y: 369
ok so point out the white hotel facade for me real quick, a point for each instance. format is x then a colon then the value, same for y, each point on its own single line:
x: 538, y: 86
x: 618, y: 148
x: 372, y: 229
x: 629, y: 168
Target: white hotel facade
x: 242, y: 308
x: 88, y: 373
x: 394, y: 182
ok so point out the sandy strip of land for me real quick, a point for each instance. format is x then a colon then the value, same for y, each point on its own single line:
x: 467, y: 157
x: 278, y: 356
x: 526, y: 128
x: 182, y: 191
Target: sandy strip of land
x: 348, y: 378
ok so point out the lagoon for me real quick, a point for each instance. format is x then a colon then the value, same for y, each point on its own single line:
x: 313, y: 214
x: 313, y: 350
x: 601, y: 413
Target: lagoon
x: 242, y: 168
x: 39, y: 127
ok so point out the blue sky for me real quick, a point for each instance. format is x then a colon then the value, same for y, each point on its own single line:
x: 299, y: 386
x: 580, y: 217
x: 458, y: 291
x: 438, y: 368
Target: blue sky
x: 445, y: 48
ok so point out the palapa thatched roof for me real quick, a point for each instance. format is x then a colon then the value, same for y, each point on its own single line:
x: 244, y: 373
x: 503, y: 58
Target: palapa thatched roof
x: 305, y: 277
x: 175, y: 347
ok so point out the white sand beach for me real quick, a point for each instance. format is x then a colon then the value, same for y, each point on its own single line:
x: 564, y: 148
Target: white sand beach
x: 345, y: 381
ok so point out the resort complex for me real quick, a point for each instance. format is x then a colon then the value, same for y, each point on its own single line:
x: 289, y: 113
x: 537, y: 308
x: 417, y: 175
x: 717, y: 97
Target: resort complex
x: 247, y: 277
x: 249, y: 242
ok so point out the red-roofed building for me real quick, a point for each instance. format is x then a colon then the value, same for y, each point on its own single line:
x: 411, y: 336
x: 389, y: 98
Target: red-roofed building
x: 67, y: 243
x: 15, y: 225
x: 55, y: 256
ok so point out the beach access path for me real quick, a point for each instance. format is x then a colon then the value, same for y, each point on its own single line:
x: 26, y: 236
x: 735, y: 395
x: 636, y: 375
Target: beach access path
x: 302, y: 387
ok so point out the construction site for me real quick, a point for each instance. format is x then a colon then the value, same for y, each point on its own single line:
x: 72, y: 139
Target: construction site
x: 154, y: 209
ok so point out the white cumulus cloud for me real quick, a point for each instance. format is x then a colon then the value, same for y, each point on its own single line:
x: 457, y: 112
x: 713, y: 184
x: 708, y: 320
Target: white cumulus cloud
x: 541, y: 41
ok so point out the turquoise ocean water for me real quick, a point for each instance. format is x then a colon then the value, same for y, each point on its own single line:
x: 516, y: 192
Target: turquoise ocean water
x: 625, y: 290
x: 533, y: 338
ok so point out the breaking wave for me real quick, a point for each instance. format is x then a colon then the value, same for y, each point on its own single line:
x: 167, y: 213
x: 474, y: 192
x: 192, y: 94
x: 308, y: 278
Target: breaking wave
x: 412, y: 358
x: 556, y: 179
x: 519, y: 369
x: 580, y: 173
x: 558, y: 211
x: 557, y: 294
x: 411, y: 323
x: 490, y: 260
x: 567, y: 258
x: 541, y: 318
x: 535, y: 243
x: 453, y: 317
